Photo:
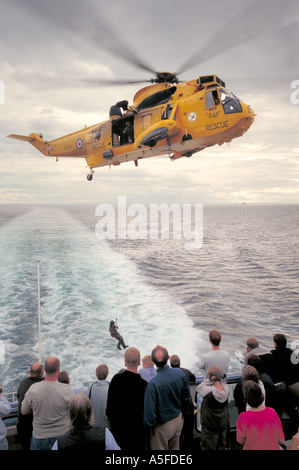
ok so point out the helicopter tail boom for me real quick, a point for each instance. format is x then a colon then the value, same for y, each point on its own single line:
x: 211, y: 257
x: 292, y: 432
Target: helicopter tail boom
x: 62, y: 147
x: 23, y: 138
x: 34, y: 139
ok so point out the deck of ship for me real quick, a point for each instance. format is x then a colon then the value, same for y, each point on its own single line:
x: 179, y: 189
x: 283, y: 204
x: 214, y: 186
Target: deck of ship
x: 232, y: 379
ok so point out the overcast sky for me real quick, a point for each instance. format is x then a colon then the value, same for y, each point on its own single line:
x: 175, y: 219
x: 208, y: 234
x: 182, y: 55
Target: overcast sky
x: 48, y: 47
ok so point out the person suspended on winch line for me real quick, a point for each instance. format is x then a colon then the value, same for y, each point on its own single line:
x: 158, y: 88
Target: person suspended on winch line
x: 114, y: 333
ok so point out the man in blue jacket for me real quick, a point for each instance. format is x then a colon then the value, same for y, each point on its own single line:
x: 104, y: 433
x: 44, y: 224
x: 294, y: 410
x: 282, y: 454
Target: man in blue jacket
x: 167, y: 397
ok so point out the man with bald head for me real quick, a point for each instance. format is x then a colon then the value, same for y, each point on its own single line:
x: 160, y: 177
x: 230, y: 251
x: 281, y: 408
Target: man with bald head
x: 167, y: 398
x: 48, y: 401
x: 24, y: 422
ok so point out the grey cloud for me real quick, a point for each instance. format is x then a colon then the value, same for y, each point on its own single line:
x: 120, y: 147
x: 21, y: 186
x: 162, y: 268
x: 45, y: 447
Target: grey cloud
x: 49, y: 48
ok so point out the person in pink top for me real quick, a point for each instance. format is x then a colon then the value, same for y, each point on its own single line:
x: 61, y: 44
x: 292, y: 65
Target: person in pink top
x: 259, y: 428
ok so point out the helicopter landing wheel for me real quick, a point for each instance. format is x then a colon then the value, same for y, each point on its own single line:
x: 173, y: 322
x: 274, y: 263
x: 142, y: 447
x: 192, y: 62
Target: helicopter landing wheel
x: 90, y: 175
x: 186, y: 137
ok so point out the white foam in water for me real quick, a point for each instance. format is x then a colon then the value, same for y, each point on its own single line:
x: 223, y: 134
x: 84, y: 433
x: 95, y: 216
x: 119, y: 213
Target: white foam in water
x: 84, y: 285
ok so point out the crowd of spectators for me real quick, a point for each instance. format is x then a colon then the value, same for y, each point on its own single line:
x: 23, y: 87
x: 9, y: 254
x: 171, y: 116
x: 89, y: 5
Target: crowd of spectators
x: 151, y: 408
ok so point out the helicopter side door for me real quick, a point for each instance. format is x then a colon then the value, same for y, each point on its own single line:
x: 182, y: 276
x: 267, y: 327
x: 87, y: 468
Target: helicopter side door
x: 216, y: 120
x: 122, y: 129
x: 146, y: 118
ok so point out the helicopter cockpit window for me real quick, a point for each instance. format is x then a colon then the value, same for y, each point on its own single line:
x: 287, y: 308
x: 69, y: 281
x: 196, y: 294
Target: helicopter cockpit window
x: 212, y: 99
x: 230, y: 102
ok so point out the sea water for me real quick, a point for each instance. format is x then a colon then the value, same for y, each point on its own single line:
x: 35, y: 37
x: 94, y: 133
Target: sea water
x: 84, y: 284
x: 243, y: 281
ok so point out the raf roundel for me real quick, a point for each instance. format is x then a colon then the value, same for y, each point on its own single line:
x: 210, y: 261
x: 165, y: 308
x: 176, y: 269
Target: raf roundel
x: 79, y: 144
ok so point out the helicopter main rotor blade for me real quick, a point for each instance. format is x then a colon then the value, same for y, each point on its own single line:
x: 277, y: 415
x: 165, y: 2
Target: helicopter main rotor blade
x: 249, y: 24
x: 98, y: 82
x: 88, y: 26
x: 43, y: 80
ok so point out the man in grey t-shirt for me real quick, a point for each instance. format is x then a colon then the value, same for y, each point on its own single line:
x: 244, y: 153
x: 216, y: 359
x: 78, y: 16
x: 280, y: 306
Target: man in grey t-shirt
x: 48, y: 401
x: 216, y: 357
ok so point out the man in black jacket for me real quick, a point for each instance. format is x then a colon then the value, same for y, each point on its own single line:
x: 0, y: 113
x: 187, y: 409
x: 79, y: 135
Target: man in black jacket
x: 125, y: 405
x: 287, y: 370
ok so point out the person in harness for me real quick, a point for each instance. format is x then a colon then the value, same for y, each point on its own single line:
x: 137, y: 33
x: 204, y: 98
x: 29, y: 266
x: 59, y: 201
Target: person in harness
x: 114, y: 333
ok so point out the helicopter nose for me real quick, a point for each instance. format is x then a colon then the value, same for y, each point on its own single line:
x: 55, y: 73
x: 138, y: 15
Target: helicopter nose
x: 250, y: 114
x: 248, y: 118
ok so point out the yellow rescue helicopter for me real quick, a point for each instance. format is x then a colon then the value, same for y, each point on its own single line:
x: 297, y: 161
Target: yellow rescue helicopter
x: 166, y: 118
